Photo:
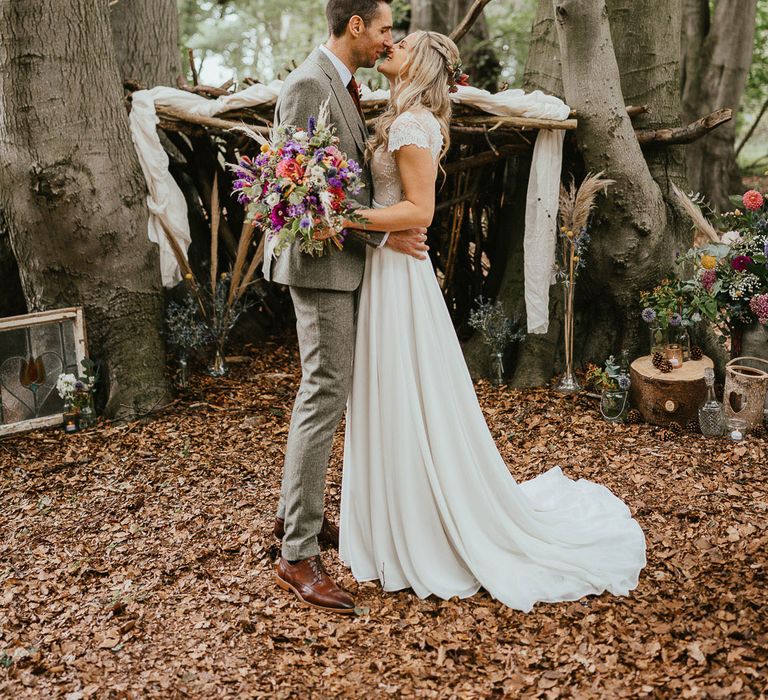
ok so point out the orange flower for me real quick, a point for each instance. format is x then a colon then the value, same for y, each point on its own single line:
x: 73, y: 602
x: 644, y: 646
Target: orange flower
x: 708, y: 262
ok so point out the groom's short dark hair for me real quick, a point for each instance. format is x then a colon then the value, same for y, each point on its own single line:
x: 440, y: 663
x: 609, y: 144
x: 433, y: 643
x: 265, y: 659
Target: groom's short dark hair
x: 339, y: 12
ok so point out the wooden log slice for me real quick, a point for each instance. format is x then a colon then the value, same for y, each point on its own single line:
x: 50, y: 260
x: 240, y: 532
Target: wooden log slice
x: 672, y: 397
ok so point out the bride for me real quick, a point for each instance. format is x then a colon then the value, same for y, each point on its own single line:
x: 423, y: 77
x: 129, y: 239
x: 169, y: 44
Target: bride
x: 427, y: 502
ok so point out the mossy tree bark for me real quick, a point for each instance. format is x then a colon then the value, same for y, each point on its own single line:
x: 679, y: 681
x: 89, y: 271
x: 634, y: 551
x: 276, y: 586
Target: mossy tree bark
x: 73, y: 194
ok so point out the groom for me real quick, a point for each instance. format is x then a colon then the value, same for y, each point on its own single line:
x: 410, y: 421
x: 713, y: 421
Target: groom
x: 323, y: 291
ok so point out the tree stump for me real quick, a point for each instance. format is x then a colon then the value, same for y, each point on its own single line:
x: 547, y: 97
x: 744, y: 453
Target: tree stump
x: 672, y: 397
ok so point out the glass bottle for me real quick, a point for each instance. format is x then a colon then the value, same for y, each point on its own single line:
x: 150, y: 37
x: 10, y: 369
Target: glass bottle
x: 497, y: 368
x: 711, y: 412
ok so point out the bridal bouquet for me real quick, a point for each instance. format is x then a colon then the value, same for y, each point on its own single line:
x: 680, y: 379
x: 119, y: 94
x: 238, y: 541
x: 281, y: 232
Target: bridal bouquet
x: 298, y: 186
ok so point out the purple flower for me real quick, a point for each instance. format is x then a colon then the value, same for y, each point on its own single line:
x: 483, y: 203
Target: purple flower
x: 334, y: 182
x: 624, y: 382
x: 648, y: 315
x: 305, y: 222
x: 79, y: 386
x: 311, y: 124
x: 740, y: 262
x: 243, y: 198
x: 675, y: 320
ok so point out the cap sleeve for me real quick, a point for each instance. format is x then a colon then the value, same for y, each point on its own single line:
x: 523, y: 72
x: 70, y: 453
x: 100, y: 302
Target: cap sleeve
x: 407, y: 130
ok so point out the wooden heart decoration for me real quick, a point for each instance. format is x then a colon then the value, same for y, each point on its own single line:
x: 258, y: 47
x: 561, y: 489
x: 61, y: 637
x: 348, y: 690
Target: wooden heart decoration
x: 31, y: 380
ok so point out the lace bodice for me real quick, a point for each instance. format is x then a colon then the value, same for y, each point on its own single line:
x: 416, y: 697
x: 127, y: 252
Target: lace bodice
x: 419, y: 128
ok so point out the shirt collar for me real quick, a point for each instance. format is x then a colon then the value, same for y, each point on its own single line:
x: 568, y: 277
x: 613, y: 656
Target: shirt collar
x: 344, y: 73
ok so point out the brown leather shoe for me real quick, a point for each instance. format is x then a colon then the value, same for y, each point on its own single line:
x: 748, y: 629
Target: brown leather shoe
x: 312, y: 585
x: 328, y: 537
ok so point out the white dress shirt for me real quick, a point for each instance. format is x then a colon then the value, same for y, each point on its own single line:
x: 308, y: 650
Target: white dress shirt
x: 346, y: 75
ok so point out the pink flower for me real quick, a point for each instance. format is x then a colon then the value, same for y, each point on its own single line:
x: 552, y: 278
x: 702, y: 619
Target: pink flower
x: 290, y: 169
x: 740, y: 262
x: 708, y: 279
x: 759, y: 306
x: 753, y: 200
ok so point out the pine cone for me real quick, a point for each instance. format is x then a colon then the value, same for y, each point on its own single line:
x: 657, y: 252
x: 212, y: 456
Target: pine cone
x: 696, y: 353
x: 657, y: 359
x: 693, y: 426
x: 634, y: 416
x: 759, y: 432
x: 675, y: 428
x: 665, y: 366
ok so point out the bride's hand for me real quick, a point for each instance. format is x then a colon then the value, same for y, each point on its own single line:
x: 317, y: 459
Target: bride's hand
x: 412, y: 241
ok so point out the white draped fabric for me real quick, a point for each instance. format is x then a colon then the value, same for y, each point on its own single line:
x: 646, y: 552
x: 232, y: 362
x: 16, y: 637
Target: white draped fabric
x: 427, y: 501
x: 167, y: 206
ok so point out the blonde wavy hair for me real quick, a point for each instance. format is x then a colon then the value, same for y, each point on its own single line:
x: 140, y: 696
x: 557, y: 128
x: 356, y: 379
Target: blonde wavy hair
x: 423, y: 81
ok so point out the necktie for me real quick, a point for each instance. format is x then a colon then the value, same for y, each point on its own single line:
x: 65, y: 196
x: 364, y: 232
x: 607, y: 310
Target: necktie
x: 355, y: 95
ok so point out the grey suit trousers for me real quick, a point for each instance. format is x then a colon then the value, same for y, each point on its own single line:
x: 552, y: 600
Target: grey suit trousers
x: 325, y: 325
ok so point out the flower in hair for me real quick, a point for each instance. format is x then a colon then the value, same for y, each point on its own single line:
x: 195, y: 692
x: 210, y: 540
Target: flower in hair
x: 457, y: 77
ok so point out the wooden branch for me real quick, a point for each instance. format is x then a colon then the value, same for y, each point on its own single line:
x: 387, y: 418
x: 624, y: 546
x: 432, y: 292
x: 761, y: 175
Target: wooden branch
x: 494, y: 122
x: 684, y: 134
x: 634, y: 111
x: 469, y: 19
x: 211, y: 122
x: 480, y: 159
x: 195, y: 76
x: 752, y: 128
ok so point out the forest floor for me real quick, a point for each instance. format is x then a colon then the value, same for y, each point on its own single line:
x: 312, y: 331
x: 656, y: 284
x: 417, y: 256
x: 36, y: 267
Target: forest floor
x: 136, y: 562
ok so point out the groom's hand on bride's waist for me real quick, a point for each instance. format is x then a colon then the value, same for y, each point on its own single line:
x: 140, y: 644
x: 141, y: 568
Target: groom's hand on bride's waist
x: 412, y: 241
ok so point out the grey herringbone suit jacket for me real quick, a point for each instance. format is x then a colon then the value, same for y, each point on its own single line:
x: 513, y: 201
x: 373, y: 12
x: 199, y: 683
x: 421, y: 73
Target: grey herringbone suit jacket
x: 305, y: 89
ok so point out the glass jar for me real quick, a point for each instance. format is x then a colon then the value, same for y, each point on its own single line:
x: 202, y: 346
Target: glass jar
x: 673, y: 352
x: 614, y: 404
x: 497, y: 368
x: 659, y: 338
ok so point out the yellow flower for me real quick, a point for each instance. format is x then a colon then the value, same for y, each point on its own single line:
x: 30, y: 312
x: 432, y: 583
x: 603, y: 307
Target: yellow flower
x: 300, y: 158
x: 708, y: 262
x: 569, y: 234
x: 343, y: 164
x: 737, y: 212
x: 188, y: 276
x: 575, y: 258
x: 264, y: 148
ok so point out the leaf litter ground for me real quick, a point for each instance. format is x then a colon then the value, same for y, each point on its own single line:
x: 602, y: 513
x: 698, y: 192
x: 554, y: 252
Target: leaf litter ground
x: 136, y: 562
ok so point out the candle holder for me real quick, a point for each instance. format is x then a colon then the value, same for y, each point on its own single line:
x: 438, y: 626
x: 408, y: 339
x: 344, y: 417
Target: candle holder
x: 673, y: 352
x: 737, y: 428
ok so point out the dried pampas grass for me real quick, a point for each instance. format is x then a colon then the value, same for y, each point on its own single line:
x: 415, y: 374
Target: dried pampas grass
x: 699, y: 220
x: 576, y: 203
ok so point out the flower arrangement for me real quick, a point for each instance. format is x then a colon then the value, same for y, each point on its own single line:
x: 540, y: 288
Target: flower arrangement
x: 497, y: 329
x: 726, y: 274
x: 576, y: 205
x: 298, y: 186
x: 216, y: 305
x: 77, y: 391
x: 610, y: 378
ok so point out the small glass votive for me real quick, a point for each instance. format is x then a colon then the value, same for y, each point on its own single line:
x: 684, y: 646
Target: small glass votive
x: 71, y: 422
x: 674, y: 353
x: 737, y: 428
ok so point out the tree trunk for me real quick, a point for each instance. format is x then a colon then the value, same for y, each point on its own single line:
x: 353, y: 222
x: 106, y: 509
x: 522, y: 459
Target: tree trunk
x: 12, y: 301
x: 442, y: 16
x: 146, y: 39
x: 73, y: 193
x: 636, y: 228
x: 717, y: 53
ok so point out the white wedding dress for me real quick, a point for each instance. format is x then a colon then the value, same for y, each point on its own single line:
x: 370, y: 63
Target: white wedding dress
x: 427, y: 502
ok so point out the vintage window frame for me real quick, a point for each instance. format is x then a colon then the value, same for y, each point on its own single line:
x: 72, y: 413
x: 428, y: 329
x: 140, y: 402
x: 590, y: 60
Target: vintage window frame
x: 39, y: 318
